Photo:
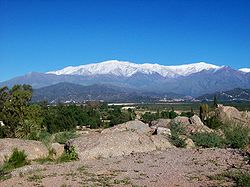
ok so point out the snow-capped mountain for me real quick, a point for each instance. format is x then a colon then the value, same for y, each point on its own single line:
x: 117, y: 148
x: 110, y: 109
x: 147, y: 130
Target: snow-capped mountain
x: 246, y: 70
x: 127, y: 69
x: 190, y: 79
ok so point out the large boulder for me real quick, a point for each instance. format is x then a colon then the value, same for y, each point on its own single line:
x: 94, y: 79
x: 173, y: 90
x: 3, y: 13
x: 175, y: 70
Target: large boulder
x: 191, y: 125
x: 231, y: 114
x: 189, y: 142
x: 197, y: 126
x: 123, y: 139
x: 161, y: 123
x: 57, y: 150
x: 163, y: 131
x: 161, y: 143
x: 182, y: 120
x: 33, y: 149
x: 135, y: 125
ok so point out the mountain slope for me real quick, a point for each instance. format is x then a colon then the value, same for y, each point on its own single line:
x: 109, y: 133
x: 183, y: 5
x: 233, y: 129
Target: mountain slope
x: 68, y: 92
x: 230, y: 95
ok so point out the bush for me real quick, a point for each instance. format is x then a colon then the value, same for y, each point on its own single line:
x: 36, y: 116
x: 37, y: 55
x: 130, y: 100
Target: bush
x: 2, y: 133
x: 63, y: 137
x: 187, y: 114
x: 208, y: 140
x: 176, y: 131
x: 69, y: 155
x: 213, y: 122
x: 241, y: 178
x: 16, y: 160
x: 237, y: 136
x: 45, y: 137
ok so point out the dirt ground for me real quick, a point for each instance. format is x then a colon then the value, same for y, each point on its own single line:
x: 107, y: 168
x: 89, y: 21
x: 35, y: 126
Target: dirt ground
x: 173, y: 167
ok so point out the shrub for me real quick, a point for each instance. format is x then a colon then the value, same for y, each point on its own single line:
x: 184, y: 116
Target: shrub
x: 208, y: 140
x: 213, y: 122
x: 16, y: 160
x: 69, y: 155
x: 45, y: 138
x: 177, y: 141
x: 2, y: 133
x: 63, y: 137
x: 237, y: 136
x: 176, y: 131
x: 187, y: 114
x: 242, y: 179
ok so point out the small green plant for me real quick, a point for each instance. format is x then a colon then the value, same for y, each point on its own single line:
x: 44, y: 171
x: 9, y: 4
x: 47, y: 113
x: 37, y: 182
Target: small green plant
x: 241, y: 178
x: 69, y: 155
x: 237, y: 136
x: 16, y: 160
x: 45, y: 137
x: 208, y: 140
x: 176, y: 131
x: 63, y: 137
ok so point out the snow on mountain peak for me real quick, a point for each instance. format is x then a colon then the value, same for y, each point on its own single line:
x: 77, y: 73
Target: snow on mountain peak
x: 246, y: 70
x: 124, y: 68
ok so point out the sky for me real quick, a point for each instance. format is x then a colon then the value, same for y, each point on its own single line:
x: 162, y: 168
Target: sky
x: 44, y: 35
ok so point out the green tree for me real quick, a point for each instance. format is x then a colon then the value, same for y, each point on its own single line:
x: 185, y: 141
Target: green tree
x: 204, y: 109
x: 14, y: 103
x: 215, y: 102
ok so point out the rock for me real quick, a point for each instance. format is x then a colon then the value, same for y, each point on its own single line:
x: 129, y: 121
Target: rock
x: 135, y: 125
x: 231, y: 114
x: 161, y: 123
x: 124, y: 139
x: 107, y: 145
x: 197, y: 126
x: 195, y: 120
x: 163, y: 131
x: 189, y: 142
x: 182, y: 120
x: 191, y: 125
x: 161, y: 142
x: 57, y: 150
x: 26, y: 170
x: 33, y: 149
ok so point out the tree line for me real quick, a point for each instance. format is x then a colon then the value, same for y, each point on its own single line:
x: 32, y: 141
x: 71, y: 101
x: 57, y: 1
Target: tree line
x: 22, y: 119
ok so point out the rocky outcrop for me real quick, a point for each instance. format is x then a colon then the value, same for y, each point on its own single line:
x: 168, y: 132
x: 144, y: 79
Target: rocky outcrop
x: 231, y: 114
x: 189, y: 142
x: 33, y: 149
x: 135, y: 125
x: 123, y: 139
x: 181, y: 120
x: 197, y: 126
x: 163, y: 131
x: 57, y: 150
x: 161, y: 123
x: 191, y: 125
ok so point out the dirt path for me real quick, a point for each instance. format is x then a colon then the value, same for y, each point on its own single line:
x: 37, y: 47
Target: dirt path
x: 173, y: 167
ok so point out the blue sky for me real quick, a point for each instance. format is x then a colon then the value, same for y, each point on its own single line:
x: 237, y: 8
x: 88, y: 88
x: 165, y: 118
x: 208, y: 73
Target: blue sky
x: 43, y: 35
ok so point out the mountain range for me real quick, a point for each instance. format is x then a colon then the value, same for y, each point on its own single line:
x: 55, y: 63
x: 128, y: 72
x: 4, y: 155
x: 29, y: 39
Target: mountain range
x: 189, y: 80
x: 74, y: 93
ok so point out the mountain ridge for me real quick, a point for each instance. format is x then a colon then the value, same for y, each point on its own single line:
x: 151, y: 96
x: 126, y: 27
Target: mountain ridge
x: 127, y: 69
x: 65, y: 92
x: 195, y: 84
x: 229, y: 95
